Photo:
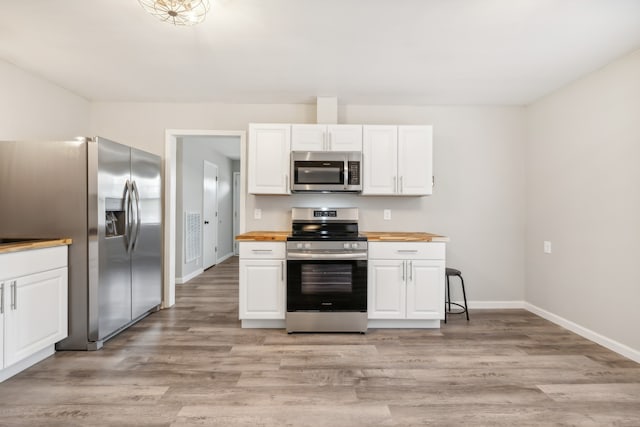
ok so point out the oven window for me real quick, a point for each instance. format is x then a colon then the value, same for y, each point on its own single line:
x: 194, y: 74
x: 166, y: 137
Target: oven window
x: 320, y: 279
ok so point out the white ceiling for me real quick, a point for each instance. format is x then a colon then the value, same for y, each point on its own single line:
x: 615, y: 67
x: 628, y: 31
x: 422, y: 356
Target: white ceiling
x: 290, y: 51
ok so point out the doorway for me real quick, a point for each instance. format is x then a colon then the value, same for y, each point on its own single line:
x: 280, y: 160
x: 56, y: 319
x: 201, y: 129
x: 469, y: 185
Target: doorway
x: 210, y: 215
x: 173, y: 217
x: 236, y: 211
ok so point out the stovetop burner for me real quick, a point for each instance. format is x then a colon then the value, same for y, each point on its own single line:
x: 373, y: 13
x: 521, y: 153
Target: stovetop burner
x: 325, y: 224
x: 337, y: 237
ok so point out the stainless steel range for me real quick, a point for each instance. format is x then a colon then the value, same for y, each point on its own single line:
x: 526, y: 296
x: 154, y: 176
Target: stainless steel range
x: 326, y: 272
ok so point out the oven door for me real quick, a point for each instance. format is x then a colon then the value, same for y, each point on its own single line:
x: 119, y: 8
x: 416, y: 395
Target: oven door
x: 327, y: 285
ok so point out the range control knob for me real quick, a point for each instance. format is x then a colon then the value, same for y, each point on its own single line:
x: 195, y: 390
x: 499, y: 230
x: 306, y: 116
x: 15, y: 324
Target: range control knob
x: 354, y: 246
x: 298, y: 245
x: 307, y: 245
x: 346, y: 245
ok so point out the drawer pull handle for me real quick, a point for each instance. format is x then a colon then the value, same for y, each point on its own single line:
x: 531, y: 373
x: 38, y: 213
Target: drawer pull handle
x: 408, y: 251
x: 261, y: 250
x: 14, y: 295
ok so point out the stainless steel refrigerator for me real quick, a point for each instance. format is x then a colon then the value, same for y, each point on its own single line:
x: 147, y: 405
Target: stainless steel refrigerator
x: 107, y: 198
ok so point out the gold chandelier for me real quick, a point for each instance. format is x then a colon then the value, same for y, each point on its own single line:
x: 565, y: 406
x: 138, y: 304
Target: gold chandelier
x: 177, y: 12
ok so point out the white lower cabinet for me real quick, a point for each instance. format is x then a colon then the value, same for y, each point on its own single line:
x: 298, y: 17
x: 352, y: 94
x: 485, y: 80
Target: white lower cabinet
x: 37, y: 315
x: 262, y: 282
x: 34, y: 286
x: 406, y: 281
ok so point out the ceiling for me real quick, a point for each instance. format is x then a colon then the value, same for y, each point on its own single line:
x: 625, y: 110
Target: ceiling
x: 415, y: 52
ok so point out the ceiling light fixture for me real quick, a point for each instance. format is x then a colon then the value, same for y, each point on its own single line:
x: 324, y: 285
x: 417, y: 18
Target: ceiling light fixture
x: 177, y: 12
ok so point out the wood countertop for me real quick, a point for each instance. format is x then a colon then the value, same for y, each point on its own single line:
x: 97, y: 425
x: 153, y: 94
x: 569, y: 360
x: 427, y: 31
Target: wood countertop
x: 402, y: 236
x: 258, y: 236
x: 372, y: 236
x: 27, y: 244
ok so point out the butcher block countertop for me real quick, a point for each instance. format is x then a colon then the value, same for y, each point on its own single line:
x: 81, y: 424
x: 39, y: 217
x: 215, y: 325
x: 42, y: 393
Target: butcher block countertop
x: 257, y: 236
x: 399, y: 236
x: 15, y: 245
x: 372, y: 236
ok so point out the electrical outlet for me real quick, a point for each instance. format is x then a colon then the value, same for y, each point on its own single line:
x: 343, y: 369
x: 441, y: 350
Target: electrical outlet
x: 387, y: 214
x: 257, y: 213
x: 547, y: 247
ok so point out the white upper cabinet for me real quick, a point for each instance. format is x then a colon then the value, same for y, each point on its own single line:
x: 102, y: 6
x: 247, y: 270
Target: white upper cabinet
x: 398, y: 160
x: 415, y: 160
x: 380, y: 160
x: 326, y: 137
x: 268, y: 162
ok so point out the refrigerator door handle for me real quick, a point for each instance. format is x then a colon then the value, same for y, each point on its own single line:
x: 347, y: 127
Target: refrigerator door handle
x: 137, y: 197
x: 128, y: 215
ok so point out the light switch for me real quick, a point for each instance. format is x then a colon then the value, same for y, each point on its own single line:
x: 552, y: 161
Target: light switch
x: 257, y: 213
x: 547, y: 247
x: 387, y: 214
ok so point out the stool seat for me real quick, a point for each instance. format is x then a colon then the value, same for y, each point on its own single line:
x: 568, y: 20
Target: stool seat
x: 453, y: 272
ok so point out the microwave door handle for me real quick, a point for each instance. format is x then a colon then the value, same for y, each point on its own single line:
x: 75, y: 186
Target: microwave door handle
x: 346, y: 176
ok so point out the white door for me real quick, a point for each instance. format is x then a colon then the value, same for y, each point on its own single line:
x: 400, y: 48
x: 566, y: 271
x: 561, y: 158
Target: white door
x: 210, y: 215
x: 36, y: 315
x: 386, y: 289
x: 236, y: 211
x: 268, y: 162
x: 344, y: 138
x: 308, y: 138
x: 380, y: 160
x: 415, y: 160
x: 262, y: 289
x: 425, y: 289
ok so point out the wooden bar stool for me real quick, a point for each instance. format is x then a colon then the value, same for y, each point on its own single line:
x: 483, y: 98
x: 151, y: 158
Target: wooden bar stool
x: 447, y: 304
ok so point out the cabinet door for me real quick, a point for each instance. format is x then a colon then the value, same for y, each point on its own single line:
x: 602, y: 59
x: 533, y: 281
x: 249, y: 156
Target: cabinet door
x: 308, y: 137
x: 380, y: 160
x: 268, y: 163
x: 262, y: 289
x: 344, y: 138
x: 36, y: 315
x: 386, y: 289
x: 425, y: 289
x: 415, y: 160
x: 3, y: 301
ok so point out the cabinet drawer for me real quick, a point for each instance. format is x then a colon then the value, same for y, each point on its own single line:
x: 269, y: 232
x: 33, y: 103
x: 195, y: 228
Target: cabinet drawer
x: 262, y: 250
x: 15, y: 264
x: 402, y: 250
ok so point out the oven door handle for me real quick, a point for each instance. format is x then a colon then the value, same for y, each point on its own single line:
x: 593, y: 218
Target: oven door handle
x: 347, y: 256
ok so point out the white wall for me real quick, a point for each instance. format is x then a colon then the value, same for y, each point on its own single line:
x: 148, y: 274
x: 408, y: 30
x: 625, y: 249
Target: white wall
x: 583, y: 177
x: 479, y: 166
x: 190, y: 174
x: 32, y: 108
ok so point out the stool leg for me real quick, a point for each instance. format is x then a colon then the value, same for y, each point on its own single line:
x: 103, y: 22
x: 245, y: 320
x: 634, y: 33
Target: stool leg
x: 464, y: 295
x: 447, y: 299
x: 448, y: 294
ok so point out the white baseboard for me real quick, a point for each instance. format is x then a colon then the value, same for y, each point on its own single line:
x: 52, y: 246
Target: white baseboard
x: 225, y: 257
x: 612, y: 345
x: 494, y: 304
x: 185, y: 279
x: 26, y: 363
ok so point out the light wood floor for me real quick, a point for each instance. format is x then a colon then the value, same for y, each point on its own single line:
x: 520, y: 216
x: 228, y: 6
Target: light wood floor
x: 193, y: 365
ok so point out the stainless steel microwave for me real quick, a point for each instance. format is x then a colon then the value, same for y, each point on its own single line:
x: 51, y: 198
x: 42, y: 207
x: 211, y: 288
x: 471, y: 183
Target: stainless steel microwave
x: 326, y: 171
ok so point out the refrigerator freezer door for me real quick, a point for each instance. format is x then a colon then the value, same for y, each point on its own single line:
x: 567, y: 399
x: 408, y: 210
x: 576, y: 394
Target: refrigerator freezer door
x: 110, y: 297
x: 146, y: 254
